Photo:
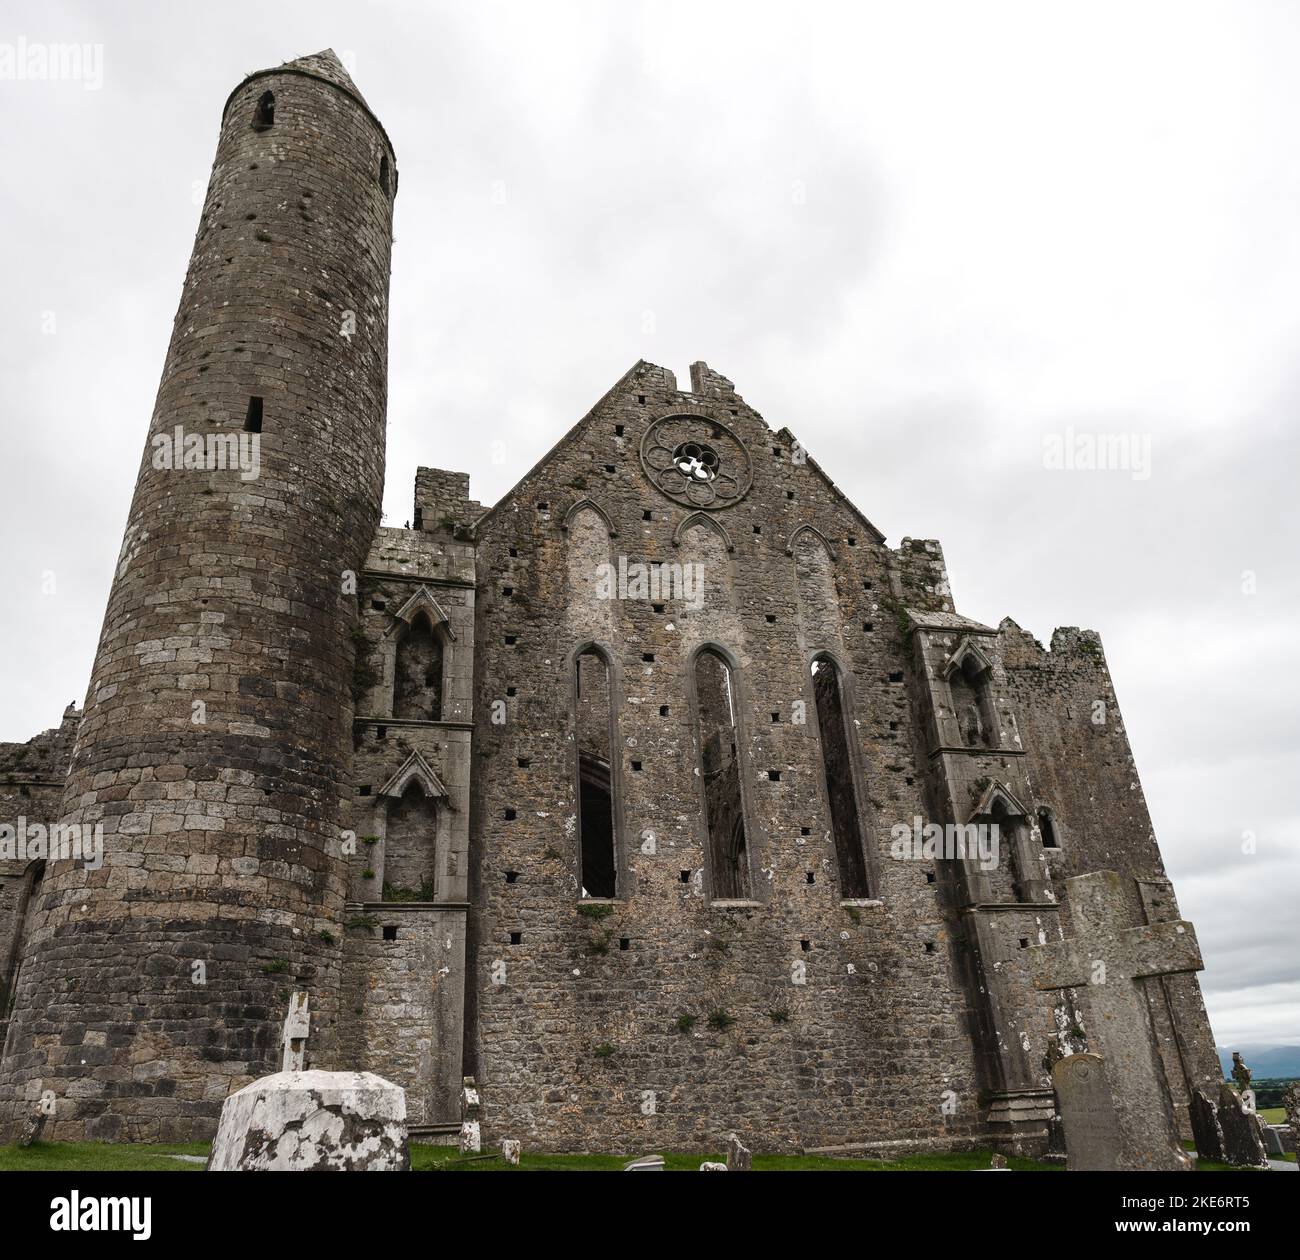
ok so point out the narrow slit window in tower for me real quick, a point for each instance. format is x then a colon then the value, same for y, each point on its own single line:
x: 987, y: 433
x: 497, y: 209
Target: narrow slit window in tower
x: 264, y: 114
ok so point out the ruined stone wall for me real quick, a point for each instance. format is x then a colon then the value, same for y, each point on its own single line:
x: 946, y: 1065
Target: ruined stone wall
x: 218, y: 719
x: 663, y: 1018
x: 32, y: 776
x: 1081, y: 767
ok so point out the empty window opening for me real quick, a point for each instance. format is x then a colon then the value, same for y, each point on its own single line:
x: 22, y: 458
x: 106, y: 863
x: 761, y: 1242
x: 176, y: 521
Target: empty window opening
x: 810, y: 877
x: 805, y: 831
x: 657, y: 607
x: 512, y: 691
x: 516, y: 938
x: 253, y: 419
x: 618, y: 430
x: 512, y: 877
x: 929, y: 947
x: 419, y: 518
x: 381, y: 732
x: 264, y: 113
x: 832, y: 723
x: 1024, y: 942
x: 417, y: 676
x: 774, y: 776
x: 685, y: 877
x: 647, y: 515
x: 609, y: 468
x: 383, y: 175
x: 524, y: 763
x: 511, y: 640
x: 390, y: 932
x: 896, y: 676
x: 378, y: 605
x: 507, y: 591
x: 663, y: 710
x: 929, y: 877
x: 624, y: 942
x: 720, y: 776
x: 514, y: 553
x: 771, y: 619
x: 868, y: 626
x: 595, y: 740
x: 1047, y: 826
x: 636, y: 765
x: 776, y: 717
x: 509, y: 814
x: 805, y: 945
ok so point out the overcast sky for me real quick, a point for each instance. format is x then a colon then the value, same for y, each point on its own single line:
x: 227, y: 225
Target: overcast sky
x: 927, y: 237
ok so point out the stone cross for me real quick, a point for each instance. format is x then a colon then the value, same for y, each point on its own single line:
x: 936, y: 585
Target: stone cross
x: 1109, y: 958
x: 297, y: 1024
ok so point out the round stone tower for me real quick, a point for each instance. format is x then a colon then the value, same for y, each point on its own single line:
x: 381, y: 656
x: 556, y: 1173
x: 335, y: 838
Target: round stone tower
x: 217, y: 733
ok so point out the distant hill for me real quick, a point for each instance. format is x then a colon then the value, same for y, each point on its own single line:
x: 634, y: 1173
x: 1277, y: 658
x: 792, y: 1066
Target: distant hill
x: 1263, y: 1060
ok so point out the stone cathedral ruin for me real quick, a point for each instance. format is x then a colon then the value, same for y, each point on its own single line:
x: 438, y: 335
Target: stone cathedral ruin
x: 619, y: 795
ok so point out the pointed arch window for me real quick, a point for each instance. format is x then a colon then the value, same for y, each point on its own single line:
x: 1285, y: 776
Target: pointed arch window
x: 837, y: 765
x: 597, y: 775
x: 718, y: 735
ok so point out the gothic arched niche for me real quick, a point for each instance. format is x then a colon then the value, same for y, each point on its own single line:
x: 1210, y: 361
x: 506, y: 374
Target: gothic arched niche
x: 410, y: 846
x: 417, y: 673
x: 815, y: 573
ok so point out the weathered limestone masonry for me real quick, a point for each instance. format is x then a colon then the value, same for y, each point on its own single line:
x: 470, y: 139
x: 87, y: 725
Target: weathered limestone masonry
x: 32, y: 777
x: 216, y: 738
x: 404, y: 985
x: 601, y: 798
x: 801, y: 1011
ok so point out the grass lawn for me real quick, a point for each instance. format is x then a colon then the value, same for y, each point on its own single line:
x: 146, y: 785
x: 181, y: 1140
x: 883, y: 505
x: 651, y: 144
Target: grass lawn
x: 448, y: 1159
x: 101, y: 1157
x: 106, y: 1157
x: 1274, y: 1115
x: 128, y: 1157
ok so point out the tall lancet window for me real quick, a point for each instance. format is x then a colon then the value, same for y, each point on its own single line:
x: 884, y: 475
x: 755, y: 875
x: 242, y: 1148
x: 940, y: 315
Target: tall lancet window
x: 594, y: 738
x: 417, y: 679
x: 717, y: 728
x: 841, y: 797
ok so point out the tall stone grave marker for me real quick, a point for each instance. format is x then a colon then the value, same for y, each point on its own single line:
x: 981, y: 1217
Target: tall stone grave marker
x: 1088, y: 1116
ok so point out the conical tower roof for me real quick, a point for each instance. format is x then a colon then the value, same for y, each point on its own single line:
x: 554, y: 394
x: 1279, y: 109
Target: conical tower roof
x: 326, y: 65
